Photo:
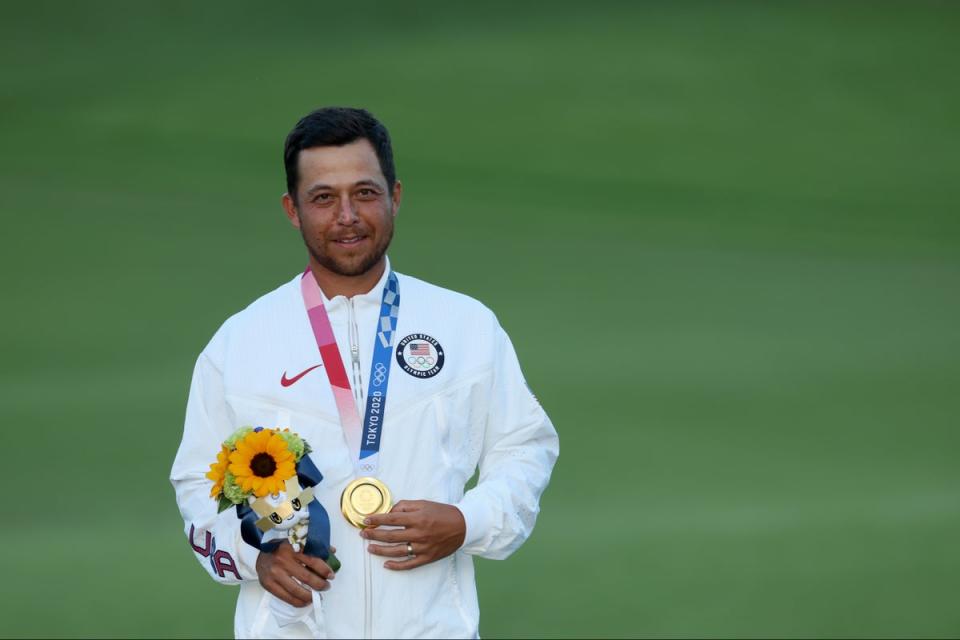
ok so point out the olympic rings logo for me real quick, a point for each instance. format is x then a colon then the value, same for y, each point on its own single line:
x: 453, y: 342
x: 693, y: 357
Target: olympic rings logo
x: 420, y: 356
x: 379, y: 374
x: 421, y: 361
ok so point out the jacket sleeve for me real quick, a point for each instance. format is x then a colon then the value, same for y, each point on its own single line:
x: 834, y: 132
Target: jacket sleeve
x: 520, y: 447
x: 214, y: 538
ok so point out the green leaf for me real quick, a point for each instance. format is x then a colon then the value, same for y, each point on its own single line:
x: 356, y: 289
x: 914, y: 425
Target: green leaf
x: 224, y: 504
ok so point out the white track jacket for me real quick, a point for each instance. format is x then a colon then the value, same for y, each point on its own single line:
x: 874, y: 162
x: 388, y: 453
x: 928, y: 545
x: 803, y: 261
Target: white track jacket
x: 439, y: 426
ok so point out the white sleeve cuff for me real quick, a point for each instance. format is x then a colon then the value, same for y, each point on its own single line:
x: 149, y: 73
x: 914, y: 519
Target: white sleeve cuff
x: 476, y: 515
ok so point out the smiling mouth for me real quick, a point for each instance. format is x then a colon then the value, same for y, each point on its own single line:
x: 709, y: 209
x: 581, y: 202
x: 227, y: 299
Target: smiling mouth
x: 350, y: 241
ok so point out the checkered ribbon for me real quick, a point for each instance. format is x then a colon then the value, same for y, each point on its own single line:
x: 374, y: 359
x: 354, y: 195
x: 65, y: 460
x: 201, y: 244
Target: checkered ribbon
x: 389, y: 312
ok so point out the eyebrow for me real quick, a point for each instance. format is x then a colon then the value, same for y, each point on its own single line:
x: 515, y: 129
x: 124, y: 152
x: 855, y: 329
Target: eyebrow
x: 359, y: 183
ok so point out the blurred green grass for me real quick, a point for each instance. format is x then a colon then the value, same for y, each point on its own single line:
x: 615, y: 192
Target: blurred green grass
x: 724, y: 239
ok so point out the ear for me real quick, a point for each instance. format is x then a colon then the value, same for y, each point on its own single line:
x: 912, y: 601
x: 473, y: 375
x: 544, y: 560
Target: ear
x: 396, y: 196
x: 290, y: 208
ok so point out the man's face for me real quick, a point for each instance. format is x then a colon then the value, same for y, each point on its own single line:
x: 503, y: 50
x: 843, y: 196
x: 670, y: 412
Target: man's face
x: 343, y: 208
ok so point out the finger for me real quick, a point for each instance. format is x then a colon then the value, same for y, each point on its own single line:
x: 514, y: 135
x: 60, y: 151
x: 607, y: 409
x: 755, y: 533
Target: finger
x: 316, y: 565
x: 407, y: 505
x: 333, y: 549
x: 389, y: 535
x: 280, y: 591
x: 388, y: 550
x: 297, y: 591
x: 406, y: 565
x: 309, y: 578
x: 398, y: 519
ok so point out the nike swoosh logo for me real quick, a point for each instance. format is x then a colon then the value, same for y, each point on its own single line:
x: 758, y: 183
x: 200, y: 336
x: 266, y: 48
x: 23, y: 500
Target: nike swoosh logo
x: 285, y: 381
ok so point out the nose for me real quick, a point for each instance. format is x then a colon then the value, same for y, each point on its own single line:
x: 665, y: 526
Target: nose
x: 345, y: 212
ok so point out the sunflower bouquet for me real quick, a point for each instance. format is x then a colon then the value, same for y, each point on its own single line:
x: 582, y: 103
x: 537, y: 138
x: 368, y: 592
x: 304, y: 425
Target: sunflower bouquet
x: 255, y: 462
x: 260, y: 472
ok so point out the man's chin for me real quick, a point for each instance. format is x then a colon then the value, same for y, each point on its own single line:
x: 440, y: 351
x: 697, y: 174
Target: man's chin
x: 351, y: 267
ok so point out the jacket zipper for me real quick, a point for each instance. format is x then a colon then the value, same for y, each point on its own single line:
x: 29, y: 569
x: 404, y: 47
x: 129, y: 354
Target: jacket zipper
x: 354, y: 334
x: 367, y: 595
x: 355, y: 356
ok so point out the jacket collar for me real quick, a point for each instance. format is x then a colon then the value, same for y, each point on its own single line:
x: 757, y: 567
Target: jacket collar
x: 374, y: 296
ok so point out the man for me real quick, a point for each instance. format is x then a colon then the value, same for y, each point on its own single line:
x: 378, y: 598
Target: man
x: 453, y: 399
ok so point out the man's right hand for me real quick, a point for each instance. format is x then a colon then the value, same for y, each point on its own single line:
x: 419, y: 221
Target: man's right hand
x: 278, y: 569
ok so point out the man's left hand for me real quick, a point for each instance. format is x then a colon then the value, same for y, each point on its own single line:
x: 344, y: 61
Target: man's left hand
x: 433, y: 530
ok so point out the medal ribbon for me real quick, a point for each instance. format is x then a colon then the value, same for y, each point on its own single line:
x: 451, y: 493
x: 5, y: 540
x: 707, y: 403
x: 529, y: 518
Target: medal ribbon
x: 363, y: 437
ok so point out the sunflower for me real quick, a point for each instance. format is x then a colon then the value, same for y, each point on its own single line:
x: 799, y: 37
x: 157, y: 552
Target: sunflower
x: 262, y: 463
x: 218, y: 470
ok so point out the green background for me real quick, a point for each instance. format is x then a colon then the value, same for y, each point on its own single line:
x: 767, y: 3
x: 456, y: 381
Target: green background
x: 724, y: 239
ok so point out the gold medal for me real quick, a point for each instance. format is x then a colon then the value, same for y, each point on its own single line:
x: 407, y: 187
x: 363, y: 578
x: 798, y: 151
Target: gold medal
x: 364, y: 497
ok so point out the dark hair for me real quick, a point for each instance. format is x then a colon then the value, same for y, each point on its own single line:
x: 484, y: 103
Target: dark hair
x: 335, y: 127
